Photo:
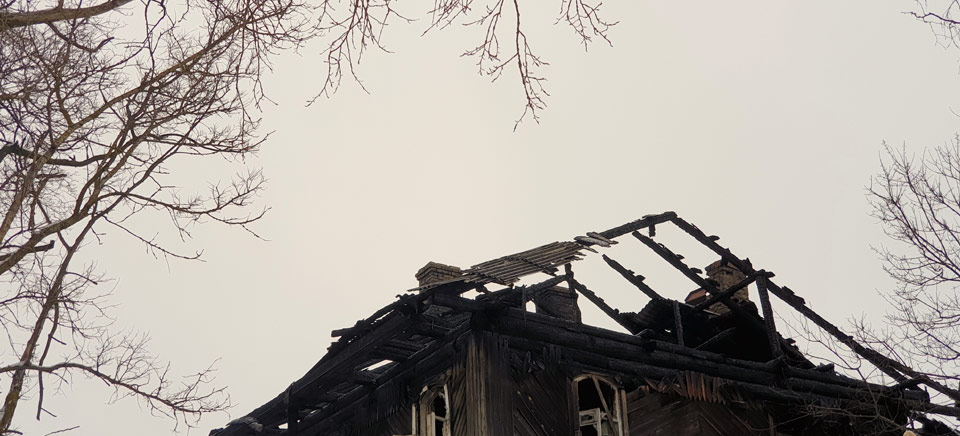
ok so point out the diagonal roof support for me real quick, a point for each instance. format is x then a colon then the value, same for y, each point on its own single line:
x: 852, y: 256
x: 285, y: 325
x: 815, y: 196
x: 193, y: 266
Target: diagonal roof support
x: 636, y: 280
x: 642, y: 223
x: 677, y: 263
x: 727, y: 293
x: 893, y: 368
x: 614, y: 314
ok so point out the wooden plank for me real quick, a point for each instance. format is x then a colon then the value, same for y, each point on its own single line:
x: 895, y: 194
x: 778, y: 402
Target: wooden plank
x: 632, y: 278
x: 642, y: 223
x: 427, y: 362
x: 727, y: 293
x: 310, y: 386
x: 543, y: 397
x: 610, y: 311
x: 678, y: 323
x: 772, y: 336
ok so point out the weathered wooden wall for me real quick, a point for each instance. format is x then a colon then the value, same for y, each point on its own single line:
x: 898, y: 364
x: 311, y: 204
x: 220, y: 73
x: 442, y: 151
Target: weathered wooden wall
x: 654, y: 414
x: 542, y: 403
x: 488, y: 388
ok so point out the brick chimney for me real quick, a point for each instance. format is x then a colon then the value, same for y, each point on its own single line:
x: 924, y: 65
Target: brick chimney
x: 560, y: 302
x: 434, y: 272
x: 725, y: 275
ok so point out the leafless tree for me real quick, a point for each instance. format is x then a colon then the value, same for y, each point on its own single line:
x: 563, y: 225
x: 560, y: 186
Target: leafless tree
x: 97, y: 104
x: 917, y: 201
x: 101, y: 101
x: 359, y: 26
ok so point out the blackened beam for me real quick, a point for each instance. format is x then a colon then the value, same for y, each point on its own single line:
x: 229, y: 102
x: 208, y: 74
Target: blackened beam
x: 391, y: 353
x: 677, y: 263
x: 632, y: 278
x: 636, y: 342
x: 325, y: 372
x: 293, y: 419
x: 889, y: 366
x: 425, y: 361
x: 647, y: 221
x: 609, y: 348
x: 405, y: 303
x: 497, y: 300
x: 467, y: 305
x: 897, y: 370
x: 365, y: 377
x: 665, y: 356
x: 429, y: 329
x: 677, y: 322
x: 532, y: 291
x: 772, y: 337
x: 392, y: 321
x: 793, y: 390
x: 715, y: 339
x: 361, y: 326
x: 614, y: 314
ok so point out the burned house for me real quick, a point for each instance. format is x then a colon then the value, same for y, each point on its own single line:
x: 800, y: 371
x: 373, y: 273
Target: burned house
x: 518, y: 360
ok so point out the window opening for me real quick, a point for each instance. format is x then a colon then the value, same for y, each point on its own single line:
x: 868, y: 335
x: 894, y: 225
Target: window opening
x: 599, y: 404
x: 438, y: 422
x: 430, y: 415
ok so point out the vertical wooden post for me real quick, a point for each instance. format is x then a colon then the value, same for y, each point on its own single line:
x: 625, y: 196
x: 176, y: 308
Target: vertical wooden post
x: 677, y: 322
x: 775, y: 350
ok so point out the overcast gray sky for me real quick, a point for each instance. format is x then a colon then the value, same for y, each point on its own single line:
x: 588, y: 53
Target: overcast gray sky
x: 759, y: 121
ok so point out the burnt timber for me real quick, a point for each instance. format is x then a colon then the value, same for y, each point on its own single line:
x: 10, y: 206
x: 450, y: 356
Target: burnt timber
x: 437, y: 363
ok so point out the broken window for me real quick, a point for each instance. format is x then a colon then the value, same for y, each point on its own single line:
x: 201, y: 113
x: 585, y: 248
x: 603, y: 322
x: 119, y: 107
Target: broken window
x: 438, y: 413
x: 600, y: 406
x: 431, y: 415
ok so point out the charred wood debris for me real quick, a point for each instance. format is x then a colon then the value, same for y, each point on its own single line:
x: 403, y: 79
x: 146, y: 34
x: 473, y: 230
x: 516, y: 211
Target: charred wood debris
x: 384, y: 357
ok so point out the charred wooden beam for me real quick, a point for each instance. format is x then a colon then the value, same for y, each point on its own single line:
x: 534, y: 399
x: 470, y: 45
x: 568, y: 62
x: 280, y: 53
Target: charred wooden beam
x: 715, y: 339
x: 428, y: 329
x: 402, y: 345
x: 390, y: 353
x: 329, y: 397
x: 793, y: 389
x: 677, y: 262
x: 426, y: 362
x: 365, y: 377
x: 363, y: 325
x: 531, y: 291
x: 636, y: 280
x: 727, y: 293
x: 893, y: 368
x: 678, y: 322
x: 328, y: 371
x: 609, y: 356
x: 293, y: 412
x: 614, y: 314
x: 711, y: 243
x: 468, y: 305
x: 773, y: 338
x: 642, y: 223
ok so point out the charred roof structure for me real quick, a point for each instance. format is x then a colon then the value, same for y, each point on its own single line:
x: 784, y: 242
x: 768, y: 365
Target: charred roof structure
x: 436, y: 363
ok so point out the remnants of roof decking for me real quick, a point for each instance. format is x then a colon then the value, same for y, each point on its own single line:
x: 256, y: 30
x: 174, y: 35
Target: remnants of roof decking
x: 410, y: 337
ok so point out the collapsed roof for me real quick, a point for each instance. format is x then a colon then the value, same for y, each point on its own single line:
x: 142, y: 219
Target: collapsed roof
x: 382, y: 355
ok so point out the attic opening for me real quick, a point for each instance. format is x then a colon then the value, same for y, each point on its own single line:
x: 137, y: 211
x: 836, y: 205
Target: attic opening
x: 599, y: 406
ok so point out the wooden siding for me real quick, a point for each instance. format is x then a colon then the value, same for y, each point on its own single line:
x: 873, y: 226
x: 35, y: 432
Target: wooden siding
x: 542, y: 403
x: 656, y: 414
